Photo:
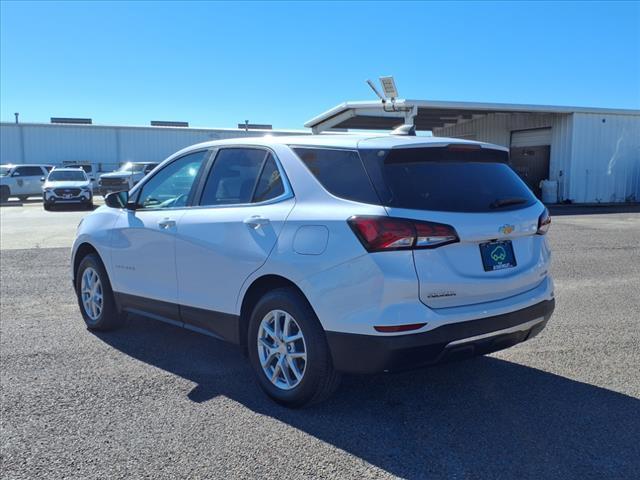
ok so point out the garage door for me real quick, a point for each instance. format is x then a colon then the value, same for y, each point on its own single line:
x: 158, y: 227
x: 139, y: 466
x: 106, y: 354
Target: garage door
x: 531, y: 138
x: 530, y: 156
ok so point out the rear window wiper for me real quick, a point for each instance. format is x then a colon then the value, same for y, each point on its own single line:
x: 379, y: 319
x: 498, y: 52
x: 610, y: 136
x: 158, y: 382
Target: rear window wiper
x: 504, y: 202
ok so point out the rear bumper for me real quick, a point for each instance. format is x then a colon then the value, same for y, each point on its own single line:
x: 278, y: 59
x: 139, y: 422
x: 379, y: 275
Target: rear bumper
x: 354, y: 353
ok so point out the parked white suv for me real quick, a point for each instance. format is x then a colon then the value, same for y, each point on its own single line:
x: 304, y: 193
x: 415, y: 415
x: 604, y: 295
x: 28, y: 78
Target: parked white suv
x: 65, y: 186
x: 22, y: 181
x: 325, y: 254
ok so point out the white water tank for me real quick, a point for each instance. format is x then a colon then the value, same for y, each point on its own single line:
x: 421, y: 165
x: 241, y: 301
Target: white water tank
x: 549, y: 191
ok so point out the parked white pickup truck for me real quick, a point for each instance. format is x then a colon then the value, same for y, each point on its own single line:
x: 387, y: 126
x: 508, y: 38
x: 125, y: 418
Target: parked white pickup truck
x: 126, y: 177
x: 22, y: 181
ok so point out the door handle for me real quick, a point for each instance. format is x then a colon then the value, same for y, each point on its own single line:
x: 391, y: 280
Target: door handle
x: 256, y: 221
x: 166, y: 223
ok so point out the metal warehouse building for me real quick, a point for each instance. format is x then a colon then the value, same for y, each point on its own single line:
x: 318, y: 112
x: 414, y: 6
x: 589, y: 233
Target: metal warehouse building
x: 589, y: 155
x: 592, y: 153
x: 104, y: 147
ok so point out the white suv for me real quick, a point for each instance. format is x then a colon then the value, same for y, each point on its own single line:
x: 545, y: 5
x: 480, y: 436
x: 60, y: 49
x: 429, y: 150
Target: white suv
x: 22, y: 181
x: 325, y: 254
x: 66, y: 186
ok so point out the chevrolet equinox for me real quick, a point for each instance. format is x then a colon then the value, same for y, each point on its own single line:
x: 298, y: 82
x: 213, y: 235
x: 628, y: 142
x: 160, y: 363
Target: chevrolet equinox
x: 325, y: 254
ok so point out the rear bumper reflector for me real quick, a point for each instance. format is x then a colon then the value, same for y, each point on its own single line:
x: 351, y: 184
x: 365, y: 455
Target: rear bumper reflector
x: 399, y: 328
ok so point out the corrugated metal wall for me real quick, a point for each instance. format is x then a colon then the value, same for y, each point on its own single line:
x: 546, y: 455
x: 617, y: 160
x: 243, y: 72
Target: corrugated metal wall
x: 10, y: 145
x: 45, y: 144
x: 106, y: 147
x: 560, y: 157
x: 496, y: 127
x: 605, y: 158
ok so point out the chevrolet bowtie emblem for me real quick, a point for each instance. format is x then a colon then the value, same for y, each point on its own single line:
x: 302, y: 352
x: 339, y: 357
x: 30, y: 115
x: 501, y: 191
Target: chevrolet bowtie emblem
x: 506, y: 229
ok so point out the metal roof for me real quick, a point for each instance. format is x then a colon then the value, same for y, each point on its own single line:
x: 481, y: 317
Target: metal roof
x: 153, y: 128
x: 428, y: 114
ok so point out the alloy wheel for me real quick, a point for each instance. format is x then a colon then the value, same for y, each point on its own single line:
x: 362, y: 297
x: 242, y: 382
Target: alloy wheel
x: 282, y: 350
x: 92, y: 294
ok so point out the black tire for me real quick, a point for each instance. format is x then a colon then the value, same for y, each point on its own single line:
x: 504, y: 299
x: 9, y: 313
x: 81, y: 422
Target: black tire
x: 4, y: 193
x: 46, y: 206
x: 23, y: 198
x: 109, y: 317
x: 320, y: 380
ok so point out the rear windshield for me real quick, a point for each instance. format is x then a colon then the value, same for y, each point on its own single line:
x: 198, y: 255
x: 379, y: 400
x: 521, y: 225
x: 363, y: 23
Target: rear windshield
x: 446, y: 179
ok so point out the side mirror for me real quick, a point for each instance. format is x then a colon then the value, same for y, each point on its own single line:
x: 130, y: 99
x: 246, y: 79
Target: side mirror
x: 118, y: 200
x: 15, y: 174
x: 42, y: 179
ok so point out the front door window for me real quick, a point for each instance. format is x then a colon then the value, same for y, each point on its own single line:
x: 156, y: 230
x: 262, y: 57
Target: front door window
x: 171, y: 186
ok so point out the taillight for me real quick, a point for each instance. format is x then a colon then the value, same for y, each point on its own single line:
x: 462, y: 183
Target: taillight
x: 380, y: 234
x: 429, y: 234
x: 544, y: 222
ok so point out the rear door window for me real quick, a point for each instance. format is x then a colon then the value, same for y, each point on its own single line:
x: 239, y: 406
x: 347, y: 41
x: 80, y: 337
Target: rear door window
x: 29, y: 171
x: 340, y: 172
x: 233, y: 177
x: 446, y: 179
x: 270, y: 184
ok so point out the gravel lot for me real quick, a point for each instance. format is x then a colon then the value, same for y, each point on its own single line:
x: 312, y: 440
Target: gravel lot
x: 155, y: 401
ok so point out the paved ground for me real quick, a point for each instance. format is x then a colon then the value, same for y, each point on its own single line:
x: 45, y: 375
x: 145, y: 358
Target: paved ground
x: 28, y: 225
x: 155, y: 401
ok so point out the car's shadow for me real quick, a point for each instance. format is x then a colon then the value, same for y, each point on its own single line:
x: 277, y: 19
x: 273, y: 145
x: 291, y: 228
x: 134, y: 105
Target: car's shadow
x: 476, y: 419
x: 70, y: 207
x: 577, y: 209
x: 58, y: 208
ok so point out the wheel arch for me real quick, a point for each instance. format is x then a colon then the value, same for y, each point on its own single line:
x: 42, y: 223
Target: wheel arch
x: 82, y: 251
x: 258, y: 288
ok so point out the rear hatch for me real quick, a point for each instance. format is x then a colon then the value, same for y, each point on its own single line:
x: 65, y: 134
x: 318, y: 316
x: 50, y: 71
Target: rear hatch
x: 474, y: 190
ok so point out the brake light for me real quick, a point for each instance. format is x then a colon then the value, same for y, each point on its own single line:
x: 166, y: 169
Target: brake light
x: 379, y: 234
x: 544, y: 222
x: 463, y: 147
